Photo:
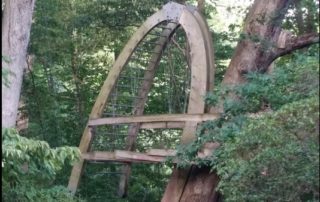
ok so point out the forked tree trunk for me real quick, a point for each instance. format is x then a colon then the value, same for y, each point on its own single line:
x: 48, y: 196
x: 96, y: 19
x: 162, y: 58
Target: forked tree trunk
x: 263, y: 41
x: 16, y: 25
x: 255, y: 52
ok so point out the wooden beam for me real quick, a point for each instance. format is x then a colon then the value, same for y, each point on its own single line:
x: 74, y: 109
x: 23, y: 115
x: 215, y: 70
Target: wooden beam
x: 123, y: 156
x: 199, y: 74
x: 161, y: 152
x: 137, y: 157
x: 151, y: 156
x: 201, y: 186
x: 209, y: 51
x: 99, y: 156
x: 154, y: 118
x: 165, y: 124
x: 173, y: 191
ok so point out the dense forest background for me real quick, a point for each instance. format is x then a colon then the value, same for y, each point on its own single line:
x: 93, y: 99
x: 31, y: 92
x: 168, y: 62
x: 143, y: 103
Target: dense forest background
x: 269, y: 135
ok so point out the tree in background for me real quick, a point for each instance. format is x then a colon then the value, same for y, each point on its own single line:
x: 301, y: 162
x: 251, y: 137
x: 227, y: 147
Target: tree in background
x: 16, y: 25
x: 28, y: 165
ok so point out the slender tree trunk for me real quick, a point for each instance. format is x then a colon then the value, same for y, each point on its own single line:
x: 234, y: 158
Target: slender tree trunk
x: 200, y: 6
x: 298, y: 15
x: 16, y: 25
x: 77, y: 82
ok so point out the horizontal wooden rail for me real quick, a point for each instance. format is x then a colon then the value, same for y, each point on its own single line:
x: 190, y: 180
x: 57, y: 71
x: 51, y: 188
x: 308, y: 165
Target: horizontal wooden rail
x: 161, y: 152
x: 151, y: 156
x: 166, y: 124
x: 122, y: 156
x: 154, y: 118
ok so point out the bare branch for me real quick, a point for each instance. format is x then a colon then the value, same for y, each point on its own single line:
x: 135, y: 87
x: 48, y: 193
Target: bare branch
x: 296, y: 43
x: 178, y: 46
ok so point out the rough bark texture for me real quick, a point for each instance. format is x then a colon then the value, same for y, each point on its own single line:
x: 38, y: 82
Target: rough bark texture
x: 260, y: 35
x: 16, y: 25
x: 294, y: 43
x: 262, y: 41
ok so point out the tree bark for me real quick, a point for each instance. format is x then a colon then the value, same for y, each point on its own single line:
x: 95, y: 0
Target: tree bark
x: 261, y: 33
x: 200, y: 6
x: 263, y: 41
x: 16, y: 26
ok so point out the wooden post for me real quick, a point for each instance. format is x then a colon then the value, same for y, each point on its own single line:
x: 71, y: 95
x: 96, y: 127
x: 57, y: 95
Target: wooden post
x: 200, y: 68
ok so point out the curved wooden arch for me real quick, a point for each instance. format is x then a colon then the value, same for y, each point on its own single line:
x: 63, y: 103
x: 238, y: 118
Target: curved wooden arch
x: 201, y: 66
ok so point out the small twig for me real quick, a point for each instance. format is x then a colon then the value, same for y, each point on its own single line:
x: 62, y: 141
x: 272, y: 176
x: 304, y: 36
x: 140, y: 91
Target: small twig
x: 179, y: 47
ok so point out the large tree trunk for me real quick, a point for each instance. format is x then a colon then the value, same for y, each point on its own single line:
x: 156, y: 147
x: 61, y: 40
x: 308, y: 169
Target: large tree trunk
x: 261, y: 33
x: 16, y: 25
x: 263, y: 41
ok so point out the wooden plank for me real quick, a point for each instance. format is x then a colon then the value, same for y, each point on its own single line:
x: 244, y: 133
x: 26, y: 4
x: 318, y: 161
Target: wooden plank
x: 99, y: 156
x: 177, y: 180
x: 161, y: 152
x: 78, y: 167
x: 165, y: 124
x: 152, y: 155
x: 154, y: 118
x: 137, y: 157
x: 209, y: 51
x: 201, y: 186
x: 122, y: 156
x: 199, y: 72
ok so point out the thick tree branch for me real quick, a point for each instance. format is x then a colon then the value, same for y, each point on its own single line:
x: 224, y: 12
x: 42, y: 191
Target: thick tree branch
x: 296, y: 43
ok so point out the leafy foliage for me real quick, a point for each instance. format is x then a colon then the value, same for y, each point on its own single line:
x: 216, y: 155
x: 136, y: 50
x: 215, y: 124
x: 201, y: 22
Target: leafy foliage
x: 26, y: 193
x: 274, y: 157
x: 294, y: 80
x: 27, y: 164
x: 266, y: 155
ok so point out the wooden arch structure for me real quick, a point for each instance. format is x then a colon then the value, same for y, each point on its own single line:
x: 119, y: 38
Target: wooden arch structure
x: 170, y: 17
